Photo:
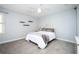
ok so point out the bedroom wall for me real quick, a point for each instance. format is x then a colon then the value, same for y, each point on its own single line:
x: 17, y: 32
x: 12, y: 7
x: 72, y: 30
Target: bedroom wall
x: 15, y: 29
x: 78, y: 20
x: 64, y: 24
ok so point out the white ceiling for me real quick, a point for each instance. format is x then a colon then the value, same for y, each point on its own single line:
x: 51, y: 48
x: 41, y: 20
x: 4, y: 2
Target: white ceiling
x: 31, y: 9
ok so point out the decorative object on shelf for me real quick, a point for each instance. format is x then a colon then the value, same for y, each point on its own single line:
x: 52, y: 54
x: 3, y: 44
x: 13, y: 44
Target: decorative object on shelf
x: 26, y: 25
x: 30, y: 21
x: 22, y: 22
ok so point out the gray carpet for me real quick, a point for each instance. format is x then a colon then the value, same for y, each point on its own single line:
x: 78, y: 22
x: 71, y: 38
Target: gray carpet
x: 24, y: 47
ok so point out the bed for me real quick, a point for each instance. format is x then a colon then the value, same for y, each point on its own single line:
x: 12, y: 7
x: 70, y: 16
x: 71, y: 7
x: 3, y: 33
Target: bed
x: 42, y: 37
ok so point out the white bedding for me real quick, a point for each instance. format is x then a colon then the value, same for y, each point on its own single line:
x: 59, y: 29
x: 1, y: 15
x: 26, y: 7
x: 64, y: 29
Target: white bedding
x: 36, y: 37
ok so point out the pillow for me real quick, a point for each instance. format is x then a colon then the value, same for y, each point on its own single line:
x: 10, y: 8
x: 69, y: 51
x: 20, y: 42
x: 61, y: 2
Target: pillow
x: 47, y: 29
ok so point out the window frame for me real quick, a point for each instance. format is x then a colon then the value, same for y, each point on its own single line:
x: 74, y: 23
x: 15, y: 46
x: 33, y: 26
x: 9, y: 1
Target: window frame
x: 3, y: 23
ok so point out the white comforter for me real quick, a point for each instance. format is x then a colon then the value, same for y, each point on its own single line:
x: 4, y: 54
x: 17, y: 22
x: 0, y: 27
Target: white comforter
x: 36, y: 37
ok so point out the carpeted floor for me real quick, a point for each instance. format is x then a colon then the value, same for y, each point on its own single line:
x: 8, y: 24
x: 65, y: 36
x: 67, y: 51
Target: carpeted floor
x: 24, y: 47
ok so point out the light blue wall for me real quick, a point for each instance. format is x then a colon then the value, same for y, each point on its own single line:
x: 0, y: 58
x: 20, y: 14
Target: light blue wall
x: 15, y: 29
x: 64, y: 24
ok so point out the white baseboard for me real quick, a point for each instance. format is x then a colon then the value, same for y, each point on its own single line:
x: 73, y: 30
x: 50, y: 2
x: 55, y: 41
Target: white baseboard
x: 66, y: 40
x: 11, y: 40
x: 23, y: 37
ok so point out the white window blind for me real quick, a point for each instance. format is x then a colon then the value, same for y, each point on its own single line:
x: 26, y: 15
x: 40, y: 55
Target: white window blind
x: 2, y: 24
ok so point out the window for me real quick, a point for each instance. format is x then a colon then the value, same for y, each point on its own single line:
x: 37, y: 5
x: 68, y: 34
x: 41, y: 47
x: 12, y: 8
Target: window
x: 2, y: 24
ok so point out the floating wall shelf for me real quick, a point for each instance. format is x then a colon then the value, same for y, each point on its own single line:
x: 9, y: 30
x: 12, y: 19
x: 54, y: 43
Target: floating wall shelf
x: 26, y: 25
x: 30, y: 21
x: 22, y: 21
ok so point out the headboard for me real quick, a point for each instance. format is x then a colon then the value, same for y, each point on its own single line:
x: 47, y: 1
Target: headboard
x: 47, y: 29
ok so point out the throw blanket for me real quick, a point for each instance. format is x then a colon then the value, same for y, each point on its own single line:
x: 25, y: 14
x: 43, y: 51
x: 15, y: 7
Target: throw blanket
x: 45, y: 38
